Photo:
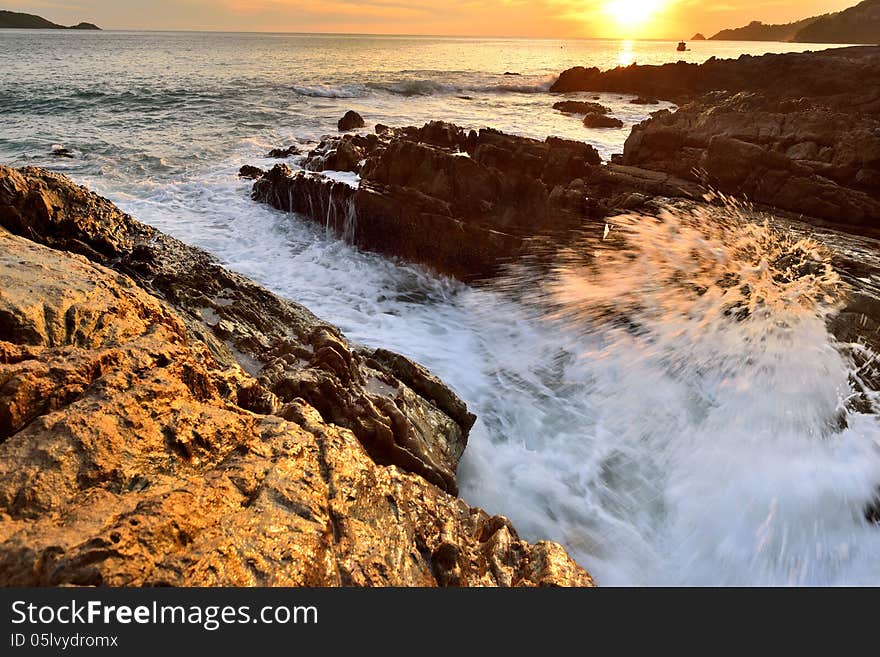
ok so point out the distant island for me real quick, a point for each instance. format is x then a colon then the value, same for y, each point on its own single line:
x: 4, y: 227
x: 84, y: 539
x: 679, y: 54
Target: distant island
x: 17, y: 20
x: 858, y: 24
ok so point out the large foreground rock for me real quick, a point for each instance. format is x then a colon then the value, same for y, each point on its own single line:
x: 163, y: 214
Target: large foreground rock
x: 180, y: 425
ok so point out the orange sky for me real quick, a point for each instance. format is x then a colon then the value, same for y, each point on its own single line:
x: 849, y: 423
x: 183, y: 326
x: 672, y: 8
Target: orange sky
x: 538, y: 18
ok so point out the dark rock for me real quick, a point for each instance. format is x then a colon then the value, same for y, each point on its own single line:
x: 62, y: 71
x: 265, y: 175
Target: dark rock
x: 823, y: 74
x: 463, y: 203
x: 60, y: 151
x: 341, y: 154
x: 251, y: 172
x: 350, y: 121
x: 580, y: 107
x: 602, y: 121
x: 282, y: 153
x: 509, y: 73
x: 644, y: 101
x: 808, y: 156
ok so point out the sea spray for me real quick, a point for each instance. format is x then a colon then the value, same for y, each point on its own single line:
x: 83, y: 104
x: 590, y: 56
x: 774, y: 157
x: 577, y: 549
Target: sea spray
x: 726, y: 450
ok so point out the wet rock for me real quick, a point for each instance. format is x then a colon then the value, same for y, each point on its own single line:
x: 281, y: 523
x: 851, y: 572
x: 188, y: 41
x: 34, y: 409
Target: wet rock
x: 60, y: 151
x: 644, y: 101
x: 594, y: 120
x: 461, y: 202
x: 350, y: 120
x: 580, y: 107
x: 250, y: 171
x: 799, y: 155
x: 283, y: 153
x: 290, y: 352
x: 340, y: 154
x: 127, y: 457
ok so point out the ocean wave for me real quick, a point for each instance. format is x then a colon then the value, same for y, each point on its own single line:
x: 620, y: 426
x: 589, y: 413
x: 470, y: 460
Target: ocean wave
x: 409, y: 87
x: 329, y: 91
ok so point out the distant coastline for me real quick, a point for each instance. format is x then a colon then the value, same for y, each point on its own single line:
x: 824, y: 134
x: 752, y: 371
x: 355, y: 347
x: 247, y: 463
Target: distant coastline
x: 17, y: 20
x: 858, y: 24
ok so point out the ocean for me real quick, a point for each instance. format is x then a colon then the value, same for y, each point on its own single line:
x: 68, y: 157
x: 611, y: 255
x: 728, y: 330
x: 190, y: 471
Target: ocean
x: 648, y: 474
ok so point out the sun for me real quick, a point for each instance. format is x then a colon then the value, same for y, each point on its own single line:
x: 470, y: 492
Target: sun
x: 631, y: 14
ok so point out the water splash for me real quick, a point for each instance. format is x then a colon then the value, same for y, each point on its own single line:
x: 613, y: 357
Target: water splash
x: 726, y: 451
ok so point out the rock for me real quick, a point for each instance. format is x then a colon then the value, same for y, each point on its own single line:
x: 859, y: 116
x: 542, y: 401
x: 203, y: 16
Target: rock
x: 339, y: 154
x: 129, y: 464
x: 644, y: 101
x: 249, y: 171
x: 594, y: 120
x: 292, y: 353
x: 812, y: 156
x: 509, y: 73
x: 463, y: 203
x: 580, y: 107
x: 283, y: 153
x: 138, y: 447
x: 60, y: 151
x: 698, y: 37
x: 350, y: 121
x: 853, y: 71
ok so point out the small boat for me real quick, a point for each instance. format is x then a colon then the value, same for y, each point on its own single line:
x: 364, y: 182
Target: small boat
x: 682, y: 46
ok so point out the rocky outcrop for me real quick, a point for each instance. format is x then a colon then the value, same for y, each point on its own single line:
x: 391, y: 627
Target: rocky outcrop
x: 580, y: 107
x: 698, y: 37
x: 839, y: 76
x: 164, y: 421
x: 292, y: 353
x: 463, y: 203
x: 601, y: 121
x: 801, y: 155
x: 797, y: 132
x: 349, y: 121
x: 250, y: 172
x: 283, y: 153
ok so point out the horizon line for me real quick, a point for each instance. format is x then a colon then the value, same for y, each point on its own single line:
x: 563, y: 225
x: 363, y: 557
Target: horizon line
x: 366, y: 34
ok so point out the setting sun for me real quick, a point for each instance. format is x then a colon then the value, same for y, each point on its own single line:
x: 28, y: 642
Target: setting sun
x: 630, y: 14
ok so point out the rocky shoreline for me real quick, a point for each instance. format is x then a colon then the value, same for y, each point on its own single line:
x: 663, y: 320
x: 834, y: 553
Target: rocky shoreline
x: 165, y: 421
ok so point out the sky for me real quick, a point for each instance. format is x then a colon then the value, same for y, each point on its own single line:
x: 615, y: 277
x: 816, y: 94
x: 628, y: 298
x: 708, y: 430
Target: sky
x: 674, y: 19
